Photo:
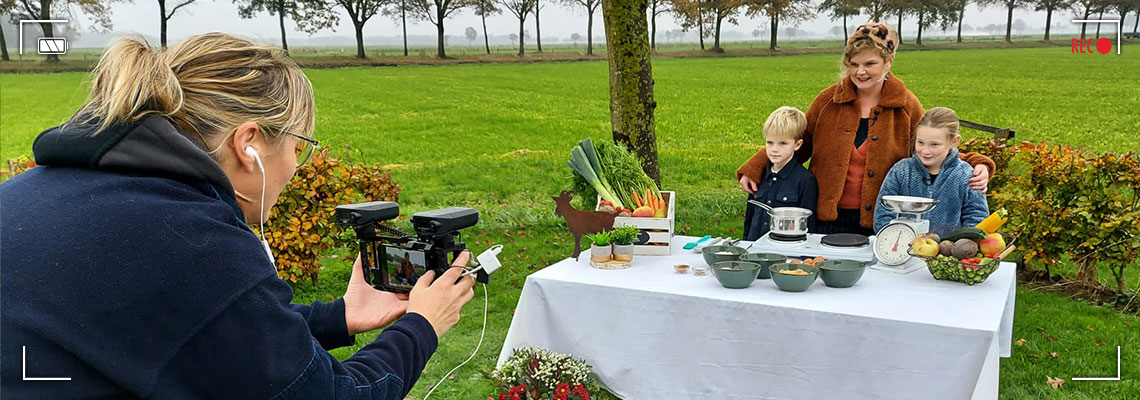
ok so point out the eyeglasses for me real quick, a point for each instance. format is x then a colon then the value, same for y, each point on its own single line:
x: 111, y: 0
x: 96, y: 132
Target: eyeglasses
x: 305, y: 148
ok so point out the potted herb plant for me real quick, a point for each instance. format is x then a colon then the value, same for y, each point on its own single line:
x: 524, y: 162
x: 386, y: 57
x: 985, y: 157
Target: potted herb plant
x: 623, y: 239
x: 601, y: 250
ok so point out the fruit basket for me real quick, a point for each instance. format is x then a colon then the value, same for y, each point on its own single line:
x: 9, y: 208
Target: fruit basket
x: 969, y: 271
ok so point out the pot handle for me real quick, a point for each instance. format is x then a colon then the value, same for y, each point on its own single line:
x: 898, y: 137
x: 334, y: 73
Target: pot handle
x: 766, y: 207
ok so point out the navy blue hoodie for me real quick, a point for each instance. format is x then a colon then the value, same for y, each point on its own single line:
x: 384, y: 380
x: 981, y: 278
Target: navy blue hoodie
x: 127, y: 267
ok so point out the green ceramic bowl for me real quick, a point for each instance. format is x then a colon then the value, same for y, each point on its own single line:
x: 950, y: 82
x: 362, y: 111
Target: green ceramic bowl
x: 735, y: 274
x: 841, y: 273
x: 730, y: 253
x: 765, y: 260
x: 793, y: 283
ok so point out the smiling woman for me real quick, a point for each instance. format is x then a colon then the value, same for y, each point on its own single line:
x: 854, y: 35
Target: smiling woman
x: 857, y: 129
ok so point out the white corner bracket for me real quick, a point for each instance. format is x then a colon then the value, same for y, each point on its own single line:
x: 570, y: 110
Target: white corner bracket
x: 1117, y: 378
x: 1105, y: 21
x: 51, y: 45
x: 24, y: 367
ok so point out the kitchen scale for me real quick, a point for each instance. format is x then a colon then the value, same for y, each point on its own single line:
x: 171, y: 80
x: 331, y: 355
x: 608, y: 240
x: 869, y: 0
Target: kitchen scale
x: 892, y: 242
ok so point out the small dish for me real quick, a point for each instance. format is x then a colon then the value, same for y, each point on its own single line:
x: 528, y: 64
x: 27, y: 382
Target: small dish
x: 681, y: 268
x: 700, y: 270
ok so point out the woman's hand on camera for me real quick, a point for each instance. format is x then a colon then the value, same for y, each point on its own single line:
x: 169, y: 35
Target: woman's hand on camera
x: 365, y: 307
x: 981, y: 179
x: 440, y: 302
x: 747, y: 184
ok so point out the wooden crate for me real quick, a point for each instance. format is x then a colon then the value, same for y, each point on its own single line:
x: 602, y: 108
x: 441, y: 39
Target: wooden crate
x: 660, y: 229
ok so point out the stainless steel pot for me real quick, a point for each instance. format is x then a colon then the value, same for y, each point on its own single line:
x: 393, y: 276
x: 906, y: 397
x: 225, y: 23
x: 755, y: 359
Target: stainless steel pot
x: 786, y: 220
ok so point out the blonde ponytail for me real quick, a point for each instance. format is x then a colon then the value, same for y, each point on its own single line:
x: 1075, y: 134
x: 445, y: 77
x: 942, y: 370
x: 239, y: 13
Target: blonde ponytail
x: 205, y: 85
x: 129, y: 84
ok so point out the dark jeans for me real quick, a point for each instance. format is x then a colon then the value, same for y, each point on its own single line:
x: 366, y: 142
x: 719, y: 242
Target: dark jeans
x: 847, y: 222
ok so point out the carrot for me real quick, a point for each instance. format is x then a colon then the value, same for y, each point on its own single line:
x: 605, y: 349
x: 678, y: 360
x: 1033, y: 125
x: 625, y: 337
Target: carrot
x: 637, y: 199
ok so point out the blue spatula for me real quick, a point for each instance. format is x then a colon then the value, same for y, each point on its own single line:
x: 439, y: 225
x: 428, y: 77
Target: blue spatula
x: 691, y: 245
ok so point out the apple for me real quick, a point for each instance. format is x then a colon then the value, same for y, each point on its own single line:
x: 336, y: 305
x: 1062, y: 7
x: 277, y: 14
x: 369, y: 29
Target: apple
x: 992, y: 244
x: 643, y: 211
x: 926, y: 247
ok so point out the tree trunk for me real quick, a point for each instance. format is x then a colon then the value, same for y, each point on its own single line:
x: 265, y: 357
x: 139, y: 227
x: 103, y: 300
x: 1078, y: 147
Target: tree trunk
x: 3, y: 47
x: 845, y: 34
x: 589, y: 33
x: 537, y: 28
x: 281, y: 22
x: 716, y: 34
x: 359, y: 39
x: 486, y: 41
x: 1008, y: 25
x: 1048, y: 21
x: 404, y: 24
x: 700, y: 28
x: 631, y: 81
x: 918, y: 39
x: 775, y: 26
x: 1098, y: 25
x: 522, y: 50
x: 439, y: 31
x: 1136, y: 22
x: 47, y: 29
x: 961, y: 14
x: 653, y: 26
x: 162, y: 26
x: 1085, y: 24
x: 899, y: 28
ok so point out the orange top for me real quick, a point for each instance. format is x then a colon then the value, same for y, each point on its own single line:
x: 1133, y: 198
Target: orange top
x: 853, y: 185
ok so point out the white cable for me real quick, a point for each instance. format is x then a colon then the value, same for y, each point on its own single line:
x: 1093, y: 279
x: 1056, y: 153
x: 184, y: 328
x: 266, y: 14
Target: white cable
x: 485, y: 306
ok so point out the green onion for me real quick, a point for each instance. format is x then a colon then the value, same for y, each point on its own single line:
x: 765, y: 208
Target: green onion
x: 581, y: 163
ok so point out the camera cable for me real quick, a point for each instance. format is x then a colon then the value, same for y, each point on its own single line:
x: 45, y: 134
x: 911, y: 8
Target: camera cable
x: 484, y: 331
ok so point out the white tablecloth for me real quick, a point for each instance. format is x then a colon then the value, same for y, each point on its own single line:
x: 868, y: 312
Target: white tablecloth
x: 650, y: 333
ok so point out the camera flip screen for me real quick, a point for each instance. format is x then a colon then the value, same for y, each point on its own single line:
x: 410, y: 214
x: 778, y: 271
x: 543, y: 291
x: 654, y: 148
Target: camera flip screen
x: 403, y: 267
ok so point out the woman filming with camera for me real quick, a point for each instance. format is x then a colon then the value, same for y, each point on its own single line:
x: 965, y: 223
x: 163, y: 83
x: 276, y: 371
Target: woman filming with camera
x: 128, y: 260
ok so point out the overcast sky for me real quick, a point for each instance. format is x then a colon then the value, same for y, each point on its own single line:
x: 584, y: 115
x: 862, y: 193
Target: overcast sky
x: 558, y: 21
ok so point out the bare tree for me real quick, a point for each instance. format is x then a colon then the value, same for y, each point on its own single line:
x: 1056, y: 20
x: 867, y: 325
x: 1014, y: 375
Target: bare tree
x: 786, y: 11
x: 520, y: 9
x: 1049, y: 6
x: 401, y: 10
x: 309, y: 16
x: 1010, y: 5
x: 656, y: 7
x: 166, y: 16
x: 436, y: 12
x: 690, y: 14
x: 590, y: 6
x: 359, y: 12
x: 484, y: 8
x: 840, y: 9
x: 537, y: 25
x: 957, y: 9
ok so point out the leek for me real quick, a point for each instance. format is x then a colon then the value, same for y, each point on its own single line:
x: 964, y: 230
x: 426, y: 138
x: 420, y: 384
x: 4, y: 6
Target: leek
x: 581, y: 163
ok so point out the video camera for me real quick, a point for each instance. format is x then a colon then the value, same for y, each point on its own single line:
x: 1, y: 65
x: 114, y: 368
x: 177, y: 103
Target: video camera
x: 393, y: 260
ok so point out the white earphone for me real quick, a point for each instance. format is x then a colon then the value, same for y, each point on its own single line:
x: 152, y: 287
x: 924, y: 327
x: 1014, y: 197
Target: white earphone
x: 261, y: 208
x: 253, y: 152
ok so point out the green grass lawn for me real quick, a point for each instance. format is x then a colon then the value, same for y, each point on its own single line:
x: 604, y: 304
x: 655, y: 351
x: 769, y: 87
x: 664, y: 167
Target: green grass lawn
x: 496, y: 137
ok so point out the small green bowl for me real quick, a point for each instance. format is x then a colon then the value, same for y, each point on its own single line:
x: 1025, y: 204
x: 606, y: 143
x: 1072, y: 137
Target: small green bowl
x: 711, y: 256
x: 793, y: 283
x: 841, y: 273
x: 765, y: 260
x: 735, y: 274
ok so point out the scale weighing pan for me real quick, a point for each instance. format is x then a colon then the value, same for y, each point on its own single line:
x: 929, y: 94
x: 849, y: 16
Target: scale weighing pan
x: 909, y: 204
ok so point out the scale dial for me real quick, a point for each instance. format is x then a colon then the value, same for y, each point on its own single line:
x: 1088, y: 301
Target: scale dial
x: 892, y: 242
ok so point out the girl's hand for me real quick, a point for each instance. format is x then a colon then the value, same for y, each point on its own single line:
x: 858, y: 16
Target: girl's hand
x: 747, y: 184
x: 981, y: 179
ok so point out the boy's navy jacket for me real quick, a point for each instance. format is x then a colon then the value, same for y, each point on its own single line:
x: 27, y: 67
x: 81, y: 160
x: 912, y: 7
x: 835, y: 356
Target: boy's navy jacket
x: 127, y: 267
x: 793, y: 186
x: 958, y: 205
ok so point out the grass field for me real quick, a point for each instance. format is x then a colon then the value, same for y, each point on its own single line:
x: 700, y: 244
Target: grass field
x: 496, y: 137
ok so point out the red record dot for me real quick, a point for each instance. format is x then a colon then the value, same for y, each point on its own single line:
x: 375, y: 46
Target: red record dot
x: 1103, y: 45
